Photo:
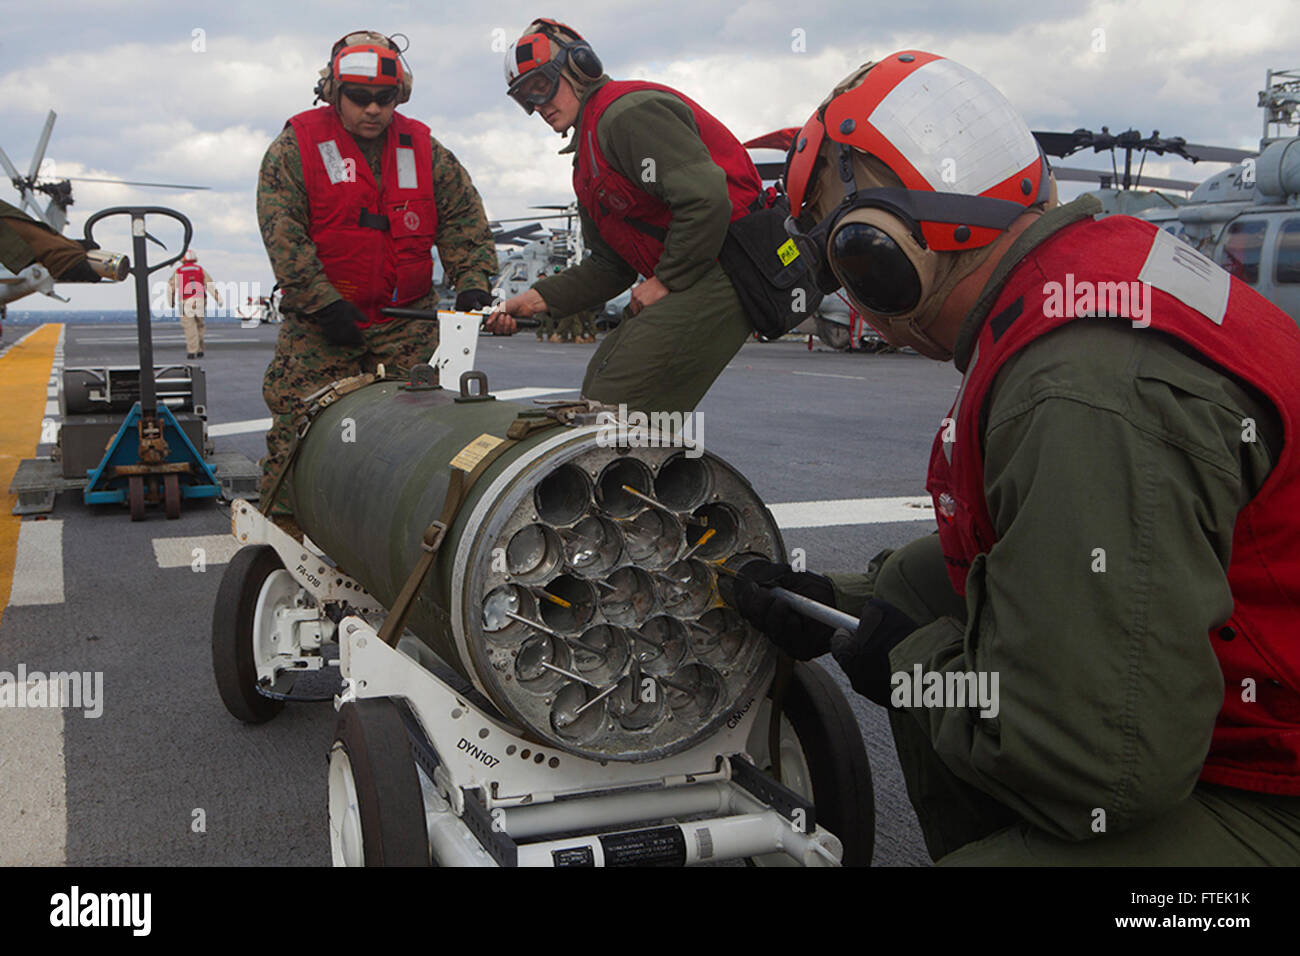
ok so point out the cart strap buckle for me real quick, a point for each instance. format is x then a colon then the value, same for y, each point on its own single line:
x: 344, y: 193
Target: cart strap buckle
x: 433, y: 536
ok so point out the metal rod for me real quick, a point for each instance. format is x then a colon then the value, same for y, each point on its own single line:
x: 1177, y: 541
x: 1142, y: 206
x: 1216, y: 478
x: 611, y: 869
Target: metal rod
x: 599, y: 697
x: 807, y: 606
x: 569, y: 674
x: 554, y: 599
x: 533, y: 624
x: 689, y: 519
x: 704, y: 539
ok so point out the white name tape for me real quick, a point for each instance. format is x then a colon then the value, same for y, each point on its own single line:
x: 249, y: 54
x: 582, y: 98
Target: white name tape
x: 1175, y: 267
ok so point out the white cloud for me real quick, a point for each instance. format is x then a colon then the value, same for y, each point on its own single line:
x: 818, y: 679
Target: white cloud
x: 137, y: 102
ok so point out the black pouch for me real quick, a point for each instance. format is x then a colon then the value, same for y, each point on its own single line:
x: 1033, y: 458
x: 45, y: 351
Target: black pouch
x: 771, y: 279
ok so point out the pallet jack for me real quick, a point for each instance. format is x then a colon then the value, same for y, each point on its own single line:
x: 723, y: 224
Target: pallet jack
x: 151, y: 422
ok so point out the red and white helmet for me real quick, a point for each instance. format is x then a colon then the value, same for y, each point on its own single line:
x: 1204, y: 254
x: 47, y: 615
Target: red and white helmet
x: 547, y: 51
x: 911, y: 167
x: 365, y: 58
x: 189, y: 256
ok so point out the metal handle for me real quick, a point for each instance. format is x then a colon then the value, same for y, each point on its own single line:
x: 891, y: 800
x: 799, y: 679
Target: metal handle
x: 823, y: 613
x: 140, y: 212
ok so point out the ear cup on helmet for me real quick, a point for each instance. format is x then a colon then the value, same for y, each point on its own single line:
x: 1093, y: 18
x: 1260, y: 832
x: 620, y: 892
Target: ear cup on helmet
x: 327, y: 90
x: 882, y: 267
x: 585, y: 62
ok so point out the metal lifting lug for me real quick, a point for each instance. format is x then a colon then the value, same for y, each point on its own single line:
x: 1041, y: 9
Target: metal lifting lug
x: 482, y: 395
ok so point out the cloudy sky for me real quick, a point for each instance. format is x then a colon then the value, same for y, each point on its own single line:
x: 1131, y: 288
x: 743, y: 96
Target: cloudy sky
x: 193, y: 93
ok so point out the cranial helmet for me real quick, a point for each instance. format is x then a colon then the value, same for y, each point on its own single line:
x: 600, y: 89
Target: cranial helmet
x: 364, y: 58
x: 547, y: 51
x: 900, y: 183
x: 189, y: 256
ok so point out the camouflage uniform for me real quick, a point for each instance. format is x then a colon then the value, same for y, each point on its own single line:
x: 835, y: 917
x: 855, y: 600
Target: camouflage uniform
x: 568, y: 328
x: 304, y: 362
x: 547, y: 328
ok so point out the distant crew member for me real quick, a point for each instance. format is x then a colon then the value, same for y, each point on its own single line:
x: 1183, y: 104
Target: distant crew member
x: 1095, y: 661
x: 658, y: 181
x: 351, y: 199
x: 193, y: 285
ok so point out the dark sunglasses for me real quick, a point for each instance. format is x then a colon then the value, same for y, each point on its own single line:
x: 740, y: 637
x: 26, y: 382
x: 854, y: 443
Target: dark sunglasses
x: 364, y: 98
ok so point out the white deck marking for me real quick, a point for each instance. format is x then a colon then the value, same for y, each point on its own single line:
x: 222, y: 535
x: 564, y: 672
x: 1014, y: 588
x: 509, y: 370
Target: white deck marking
x: 179, y: 552
x: 850, y: 511
x: 34, y: 812
x: 859, y: 378
x: 239, y: 428
x: 38, y: 567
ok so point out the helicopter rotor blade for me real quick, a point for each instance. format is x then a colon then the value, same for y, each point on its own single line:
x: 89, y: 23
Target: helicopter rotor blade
x: 1217, y: 154
x: 128, y: 182
x: 531, y: 218
x: 10, y: 168
x: 1104, y: 177
x: 41, y: 144
x: 1062, y: 144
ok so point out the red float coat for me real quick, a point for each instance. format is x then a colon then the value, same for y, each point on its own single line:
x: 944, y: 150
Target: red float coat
x: 374, y: 242
x: 1255, y: 744
x: 620, y: 210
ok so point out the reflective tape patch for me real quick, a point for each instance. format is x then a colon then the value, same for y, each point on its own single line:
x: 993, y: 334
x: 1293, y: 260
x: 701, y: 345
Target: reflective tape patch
x: 929, y: 115
x: 359, y: 63
x: 1175, y: 267
x: 333, y: 160
x: 406, y: 174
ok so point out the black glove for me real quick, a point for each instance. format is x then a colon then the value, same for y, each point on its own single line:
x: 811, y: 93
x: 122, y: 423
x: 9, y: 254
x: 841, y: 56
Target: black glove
x: 864, y: 655
x: 800, y: 637
x: 338, y: 323
x: 473, y: 299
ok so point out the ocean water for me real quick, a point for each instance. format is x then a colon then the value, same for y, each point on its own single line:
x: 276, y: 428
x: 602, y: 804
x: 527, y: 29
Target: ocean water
x: 99, y: 317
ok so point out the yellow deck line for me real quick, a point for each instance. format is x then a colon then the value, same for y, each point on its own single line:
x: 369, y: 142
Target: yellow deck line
x: 24, y: 376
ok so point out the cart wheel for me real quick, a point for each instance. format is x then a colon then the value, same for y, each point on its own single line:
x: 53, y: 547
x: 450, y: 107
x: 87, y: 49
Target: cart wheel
x: 376, y: 808
x: 172, y: 496
x: 823, y: 758
x: 135, y: 496
x: 254, y: 586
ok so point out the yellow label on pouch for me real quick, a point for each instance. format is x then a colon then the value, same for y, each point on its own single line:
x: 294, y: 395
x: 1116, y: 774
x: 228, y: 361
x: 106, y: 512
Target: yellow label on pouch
x: 475, y: 451
x: 788, y: 252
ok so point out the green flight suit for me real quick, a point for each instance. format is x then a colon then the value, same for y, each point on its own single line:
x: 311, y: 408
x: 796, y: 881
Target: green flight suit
x: 1096, y: 436
x: 666, y: 357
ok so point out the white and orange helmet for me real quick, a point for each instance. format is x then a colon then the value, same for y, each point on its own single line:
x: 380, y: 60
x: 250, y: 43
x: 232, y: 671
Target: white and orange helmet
x: 547, y: 51
x: 902, y: 179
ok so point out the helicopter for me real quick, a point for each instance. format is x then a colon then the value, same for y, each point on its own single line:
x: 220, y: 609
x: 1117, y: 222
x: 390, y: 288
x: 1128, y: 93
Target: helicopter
x: 1246, y: 217
x: 532, y: 254
x: 23, y: 278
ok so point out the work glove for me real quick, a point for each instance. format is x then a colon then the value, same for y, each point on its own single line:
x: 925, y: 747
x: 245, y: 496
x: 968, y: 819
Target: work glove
x: 800, y: 637
x: 471, y: 300
x: 864, y: 654
x: 338, y: 323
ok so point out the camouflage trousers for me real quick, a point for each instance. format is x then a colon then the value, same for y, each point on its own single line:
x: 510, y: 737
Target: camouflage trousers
x: 304, y: 363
